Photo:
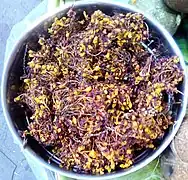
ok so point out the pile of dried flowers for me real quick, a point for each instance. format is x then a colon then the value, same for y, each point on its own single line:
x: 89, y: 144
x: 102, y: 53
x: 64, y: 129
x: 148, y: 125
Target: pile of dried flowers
x: 96, y: 93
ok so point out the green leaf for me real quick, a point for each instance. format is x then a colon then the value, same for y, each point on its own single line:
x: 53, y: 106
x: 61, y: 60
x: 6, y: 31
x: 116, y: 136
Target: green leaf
x: 181, y: 38
x: 150, y: 172
x: 57, y: 3
x: 183, y: 45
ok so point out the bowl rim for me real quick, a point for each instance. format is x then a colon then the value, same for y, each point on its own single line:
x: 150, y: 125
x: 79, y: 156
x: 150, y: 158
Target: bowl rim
x: 29, y: 152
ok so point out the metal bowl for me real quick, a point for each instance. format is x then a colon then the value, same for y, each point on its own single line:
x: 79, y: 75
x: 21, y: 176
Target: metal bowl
x: 13, y: 69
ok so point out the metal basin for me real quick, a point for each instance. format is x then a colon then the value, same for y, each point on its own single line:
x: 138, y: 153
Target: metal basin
x: 13, y: 69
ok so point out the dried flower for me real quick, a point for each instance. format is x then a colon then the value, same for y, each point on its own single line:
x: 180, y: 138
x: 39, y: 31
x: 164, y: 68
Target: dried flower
x: 96, y: 95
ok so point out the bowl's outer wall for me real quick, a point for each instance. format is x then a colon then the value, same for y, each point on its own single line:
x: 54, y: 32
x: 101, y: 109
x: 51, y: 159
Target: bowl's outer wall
x: 14, y: 69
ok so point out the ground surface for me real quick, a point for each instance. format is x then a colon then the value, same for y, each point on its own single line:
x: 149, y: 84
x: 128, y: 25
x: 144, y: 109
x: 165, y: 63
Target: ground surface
x: 13, y: 165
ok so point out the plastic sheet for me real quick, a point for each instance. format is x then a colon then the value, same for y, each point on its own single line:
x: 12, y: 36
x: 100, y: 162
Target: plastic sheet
x: 17, y: 30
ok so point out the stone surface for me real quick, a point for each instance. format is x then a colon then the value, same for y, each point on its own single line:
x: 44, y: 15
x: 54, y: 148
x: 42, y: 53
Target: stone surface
x: 178, y: 5
x: 10, y: 167
x: 13, y: 165
x: 180, y: 143
x: 159, y: 11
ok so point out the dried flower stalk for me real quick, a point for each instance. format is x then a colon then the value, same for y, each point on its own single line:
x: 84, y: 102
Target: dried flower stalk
x: 96, y: 93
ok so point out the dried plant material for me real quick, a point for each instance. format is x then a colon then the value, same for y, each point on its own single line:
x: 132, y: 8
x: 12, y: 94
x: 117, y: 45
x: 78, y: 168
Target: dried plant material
x: 95, y: 93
